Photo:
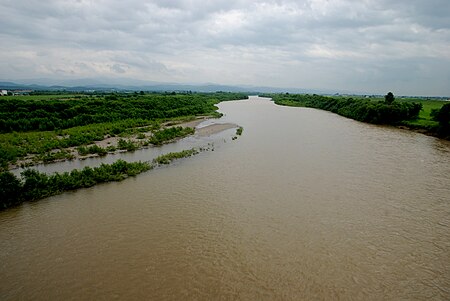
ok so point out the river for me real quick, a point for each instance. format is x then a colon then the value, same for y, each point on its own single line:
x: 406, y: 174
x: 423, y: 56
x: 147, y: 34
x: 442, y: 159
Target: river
x: 305, y: 205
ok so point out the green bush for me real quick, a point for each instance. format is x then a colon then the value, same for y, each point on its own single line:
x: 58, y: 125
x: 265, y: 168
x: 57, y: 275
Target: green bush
x: 126, y: 145
x: 93, y: 149
x: 376, y: 112
x: 168, y: 158
x: 34, y: 185
x: 165, y: 135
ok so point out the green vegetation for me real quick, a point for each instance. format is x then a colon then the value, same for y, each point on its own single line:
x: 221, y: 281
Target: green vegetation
x: 168, y: 158
x: 443, y: 117
x: 93, y: 149
x: 140, y: 136
x: 427, y: 120
x: 14, y: 146
x: 376, y: 112
x: 418, y: 114
x: 165, y: 135
x: 55, y: 156
x: 34, y: 185
x: 22, y: 114
x: 46, y: 127
x: 239, y: 131
x: 40, y: 127
x: 126, y: 145
x: 389, y: 98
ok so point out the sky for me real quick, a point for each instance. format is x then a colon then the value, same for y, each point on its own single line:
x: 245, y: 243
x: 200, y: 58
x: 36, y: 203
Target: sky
x: 368, y: 46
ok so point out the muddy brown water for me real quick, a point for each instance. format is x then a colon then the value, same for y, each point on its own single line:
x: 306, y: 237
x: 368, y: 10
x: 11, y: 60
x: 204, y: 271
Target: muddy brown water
x: 305, y: 205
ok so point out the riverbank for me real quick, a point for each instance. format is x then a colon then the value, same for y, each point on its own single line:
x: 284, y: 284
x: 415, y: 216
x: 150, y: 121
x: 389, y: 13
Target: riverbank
x: 111, y: 145
x: 406, y: 114
x: 42, y: 129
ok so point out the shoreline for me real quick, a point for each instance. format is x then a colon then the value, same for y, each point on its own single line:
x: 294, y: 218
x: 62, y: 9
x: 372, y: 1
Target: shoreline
x: 204, y: 131
x: 416, y: 129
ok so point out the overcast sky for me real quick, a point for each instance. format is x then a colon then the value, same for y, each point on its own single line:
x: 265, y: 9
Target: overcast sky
x: 371, y: 46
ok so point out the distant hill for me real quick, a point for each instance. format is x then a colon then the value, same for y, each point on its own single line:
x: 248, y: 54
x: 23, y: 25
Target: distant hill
x: 129, y: 85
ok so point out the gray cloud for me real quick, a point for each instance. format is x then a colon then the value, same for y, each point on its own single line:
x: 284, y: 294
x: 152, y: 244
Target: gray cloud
x: 371, y: 45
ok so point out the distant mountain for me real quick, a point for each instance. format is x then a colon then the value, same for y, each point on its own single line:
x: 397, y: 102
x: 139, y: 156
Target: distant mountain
x: 126, y: 84
x: 89, y: 84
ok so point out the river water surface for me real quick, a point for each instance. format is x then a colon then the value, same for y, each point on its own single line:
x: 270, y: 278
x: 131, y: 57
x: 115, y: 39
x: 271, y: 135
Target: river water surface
x: 305, y: 205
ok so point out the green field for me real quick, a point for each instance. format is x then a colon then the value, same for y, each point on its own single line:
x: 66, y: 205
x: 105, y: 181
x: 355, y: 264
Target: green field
x: 425, y: 119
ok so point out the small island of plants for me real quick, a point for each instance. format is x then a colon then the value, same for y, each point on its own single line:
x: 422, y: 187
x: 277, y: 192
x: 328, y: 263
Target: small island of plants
x: 34, y: 185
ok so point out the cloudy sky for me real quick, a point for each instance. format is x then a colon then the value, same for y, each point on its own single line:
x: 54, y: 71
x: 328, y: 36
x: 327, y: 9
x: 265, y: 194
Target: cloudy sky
x: 371, y: 46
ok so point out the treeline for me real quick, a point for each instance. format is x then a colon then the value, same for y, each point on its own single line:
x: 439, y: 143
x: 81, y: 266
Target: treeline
x: 22, y: 114
x: 34, y: 185
x: 377, y: 112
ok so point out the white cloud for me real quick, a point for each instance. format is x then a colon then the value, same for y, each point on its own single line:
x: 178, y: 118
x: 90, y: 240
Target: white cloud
x: 369, y: 45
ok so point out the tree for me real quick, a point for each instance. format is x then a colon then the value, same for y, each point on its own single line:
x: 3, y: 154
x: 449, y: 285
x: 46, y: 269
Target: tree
x: 389, y: 98
x: 10, y: 190
x: 443, y: 116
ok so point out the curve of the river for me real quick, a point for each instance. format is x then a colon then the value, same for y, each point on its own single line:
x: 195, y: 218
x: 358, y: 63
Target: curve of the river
x: 305, y: 205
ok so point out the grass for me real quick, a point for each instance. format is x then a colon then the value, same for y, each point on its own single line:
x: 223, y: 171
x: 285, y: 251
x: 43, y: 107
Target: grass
x: 425, y: 120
